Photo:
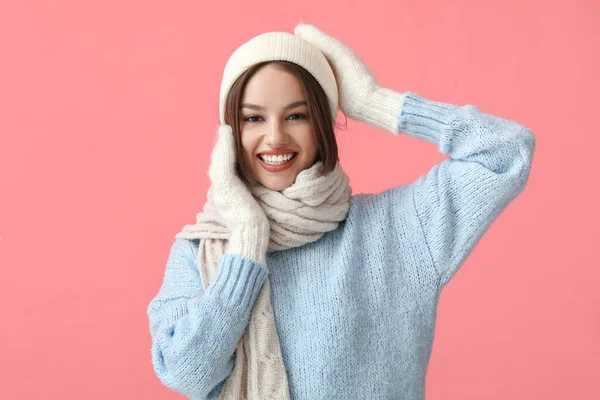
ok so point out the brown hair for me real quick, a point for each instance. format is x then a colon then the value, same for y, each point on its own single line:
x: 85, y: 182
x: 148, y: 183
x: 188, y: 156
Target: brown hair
x: 318, y: 108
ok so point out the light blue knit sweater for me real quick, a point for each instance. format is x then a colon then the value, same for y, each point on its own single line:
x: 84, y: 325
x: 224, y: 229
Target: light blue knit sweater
x: 355, y: 311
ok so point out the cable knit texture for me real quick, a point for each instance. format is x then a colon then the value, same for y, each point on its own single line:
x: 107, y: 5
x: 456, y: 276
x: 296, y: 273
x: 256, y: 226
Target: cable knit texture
x: 355, y: 310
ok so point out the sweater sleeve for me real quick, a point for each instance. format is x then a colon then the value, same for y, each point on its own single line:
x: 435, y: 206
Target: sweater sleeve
x: 195, y: 332
x: 459, y: 198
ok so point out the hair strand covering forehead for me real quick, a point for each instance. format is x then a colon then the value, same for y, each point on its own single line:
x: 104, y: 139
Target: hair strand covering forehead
x: 280, y: 46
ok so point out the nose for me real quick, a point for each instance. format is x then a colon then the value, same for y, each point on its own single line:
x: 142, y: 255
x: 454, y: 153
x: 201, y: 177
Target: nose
x: 275, y: 135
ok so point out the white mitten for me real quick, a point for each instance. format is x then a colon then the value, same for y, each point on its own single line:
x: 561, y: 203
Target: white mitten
x: 243, y: 215
x: 361, y: 97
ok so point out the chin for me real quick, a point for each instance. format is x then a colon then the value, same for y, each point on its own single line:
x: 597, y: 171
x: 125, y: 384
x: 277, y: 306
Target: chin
x: 277, y: 184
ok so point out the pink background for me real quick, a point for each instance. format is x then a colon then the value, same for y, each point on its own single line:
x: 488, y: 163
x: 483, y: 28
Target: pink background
x: 107, y: 117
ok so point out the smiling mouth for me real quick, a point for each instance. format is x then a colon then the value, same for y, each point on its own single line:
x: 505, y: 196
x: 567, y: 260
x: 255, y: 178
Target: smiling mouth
x: 275, y: 165
x: 277, y: 160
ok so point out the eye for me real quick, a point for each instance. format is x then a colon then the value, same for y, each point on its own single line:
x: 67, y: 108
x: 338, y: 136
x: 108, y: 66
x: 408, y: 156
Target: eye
x: 300, y: 116
x: 249, y: 119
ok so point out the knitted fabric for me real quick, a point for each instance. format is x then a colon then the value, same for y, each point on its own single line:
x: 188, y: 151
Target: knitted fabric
x: 298, y: 215
x: 362, y: 98
x: 356, y: 310
x: 280, y: 46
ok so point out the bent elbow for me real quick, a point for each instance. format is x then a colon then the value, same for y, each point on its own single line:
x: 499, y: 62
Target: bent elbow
x: 526, y: 149
x: 528, y: 139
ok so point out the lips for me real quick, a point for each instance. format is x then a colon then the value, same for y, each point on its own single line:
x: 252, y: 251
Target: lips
x: 277, y: 168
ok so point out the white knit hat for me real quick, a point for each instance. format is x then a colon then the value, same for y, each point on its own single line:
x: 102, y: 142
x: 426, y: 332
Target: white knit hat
x: 280, y: 46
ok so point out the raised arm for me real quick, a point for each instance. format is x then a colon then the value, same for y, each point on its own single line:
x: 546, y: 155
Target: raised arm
x: 489, y: 163
x: 459, y: 198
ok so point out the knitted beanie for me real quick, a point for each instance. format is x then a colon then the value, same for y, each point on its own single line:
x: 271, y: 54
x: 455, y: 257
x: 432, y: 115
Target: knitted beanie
x: 280, y: 46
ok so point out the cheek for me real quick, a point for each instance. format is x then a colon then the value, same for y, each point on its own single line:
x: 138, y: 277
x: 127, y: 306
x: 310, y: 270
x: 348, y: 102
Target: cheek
x: 248, y: 156
x: 248, y: 148
x: 309, y: 144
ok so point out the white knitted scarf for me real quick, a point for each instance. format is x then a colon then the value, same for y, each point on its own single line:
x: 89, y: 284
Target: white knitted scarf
x: 299, y: 214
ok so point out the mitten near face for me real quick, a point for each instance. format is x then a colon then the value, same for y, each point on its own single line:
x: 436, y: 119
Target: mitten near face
x: 241, y: 212
x: 360, y: 95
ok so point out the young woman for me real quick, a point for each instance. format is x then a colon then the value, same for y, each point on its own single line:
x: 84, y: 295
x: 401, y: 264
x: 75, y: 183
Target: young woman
x: 289, y: 287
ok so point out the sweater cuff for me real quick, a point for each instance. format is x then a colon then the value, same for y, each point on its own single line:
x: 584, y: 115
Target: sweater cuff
x: 238, y: 281
x: 427, y: 119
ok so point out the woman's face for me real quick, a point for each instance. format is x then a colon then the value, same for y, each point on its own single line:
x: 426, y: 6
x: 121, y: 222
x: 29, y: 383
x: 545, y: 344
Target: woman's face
x: 276, y: 130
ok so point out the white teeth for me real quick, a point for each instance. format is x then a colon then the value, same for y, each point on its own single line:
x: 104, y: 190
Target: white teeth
x: 276, y: 160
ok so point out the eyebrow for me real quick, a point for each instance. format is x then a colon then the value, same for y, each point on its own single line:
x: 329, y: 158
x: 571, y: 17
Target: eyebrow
x: 288, y: 107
